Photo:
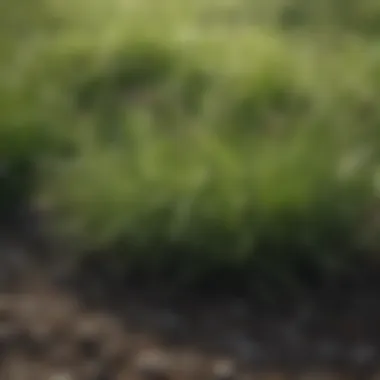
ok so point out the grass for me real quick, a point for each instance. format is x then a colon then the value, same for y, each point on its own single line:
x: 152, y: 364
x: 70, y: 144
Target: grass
x: 197, y: 136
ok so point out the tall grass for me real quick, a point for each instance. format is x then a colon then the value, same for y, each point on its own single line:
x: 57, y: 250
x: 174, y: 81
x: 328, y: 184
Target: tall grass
x: 200, y: 136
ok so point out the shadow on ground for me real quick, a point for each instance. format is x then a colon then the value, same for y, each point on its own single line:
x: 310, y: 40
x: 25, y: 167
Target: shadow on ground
x: 86, y: 326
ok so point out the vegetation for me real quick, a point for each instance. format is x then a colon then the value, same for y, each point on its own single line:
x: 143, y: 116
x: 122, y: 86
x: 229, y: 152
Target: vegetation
x: 191, y: 137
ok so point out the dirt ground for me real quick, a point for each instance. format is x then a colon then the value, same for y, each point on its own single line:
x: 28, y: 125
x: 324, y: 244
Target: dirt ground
x: 54, y: 330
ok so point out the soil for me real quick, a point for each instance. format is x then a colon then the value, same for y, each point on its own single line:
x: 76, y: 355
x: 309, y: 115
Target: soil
x: 78, y: 328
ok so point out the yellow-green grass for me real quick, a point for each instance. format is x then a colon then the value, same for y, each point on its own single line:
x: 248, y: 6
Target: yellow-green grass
x: 154, y: 132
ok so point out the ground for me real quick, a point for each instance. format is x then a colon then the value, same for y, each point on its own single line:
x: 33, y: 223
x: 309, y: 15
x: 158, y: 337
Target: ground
x: 78, y: 328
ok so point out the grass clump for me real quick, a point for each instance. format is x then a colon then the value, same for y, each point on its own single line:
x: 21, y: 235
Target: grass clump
x: 191, y: 150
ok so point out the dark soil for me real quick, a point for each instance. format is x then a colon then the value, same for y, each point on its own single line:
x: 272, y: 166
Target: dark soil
x: 80, y: 327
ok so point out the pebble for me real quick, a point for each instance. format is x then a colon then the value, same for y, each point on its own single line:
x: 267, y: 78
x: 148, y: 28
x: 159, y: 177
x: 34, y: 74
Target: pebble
x: 153, y: 365
x: 224, y: 370
x: 362, y: 355
x: 61, y: 376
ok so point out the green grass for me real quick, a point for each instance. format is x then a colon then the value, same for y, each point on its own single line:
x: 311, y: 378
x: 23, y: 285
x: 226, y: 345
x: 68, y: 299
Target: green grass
x: 248, y: 140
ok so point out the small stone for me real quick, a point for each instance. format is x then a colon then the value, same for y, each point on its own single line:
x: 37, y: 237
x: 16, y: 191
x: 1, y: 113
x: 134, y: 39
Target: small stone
x: 270, y: 376
x: 224, y: 370
x: 153, y: 365
x: 61, y: 376
x: 362, y: 355
x: 88, y: 327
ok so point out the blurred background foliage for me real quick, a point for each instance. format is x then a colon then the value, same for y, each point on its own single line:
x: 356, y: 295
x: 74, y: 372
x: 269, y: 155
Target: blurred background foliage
x: 192, y: 137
